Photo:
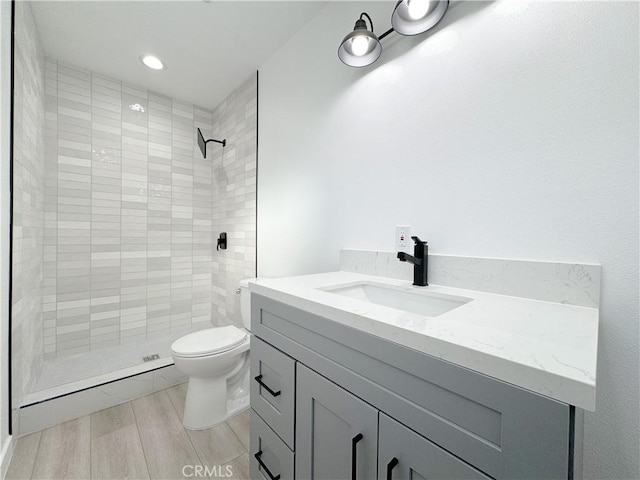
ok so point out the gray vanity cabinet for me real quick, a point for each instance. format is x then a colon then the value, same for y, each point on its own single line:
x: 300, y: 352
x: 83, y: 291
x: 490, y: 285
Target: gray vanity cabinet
x: 346, y: 394
x: 336, y: 432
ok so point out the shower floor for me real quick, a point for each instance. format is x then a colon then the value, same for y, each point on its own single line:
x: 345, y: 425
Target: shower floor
x: 60, y: 376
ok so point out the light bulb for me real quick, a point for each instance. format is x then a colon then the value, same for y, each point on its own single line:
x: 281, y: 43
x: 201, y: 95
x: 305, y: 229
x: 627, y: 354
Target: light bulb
x: 152, y: 62
x: 417, y: 8
x: 359, y: 45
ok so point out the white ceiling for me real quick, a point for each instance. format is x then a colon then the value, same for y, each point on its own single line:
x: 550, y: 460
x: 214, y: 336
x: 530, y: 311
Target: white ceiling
x: 209, y: 48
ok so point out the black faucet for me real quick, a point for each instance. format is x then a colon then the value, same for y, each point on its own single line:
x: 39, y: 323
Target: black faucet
x: 419, y: 260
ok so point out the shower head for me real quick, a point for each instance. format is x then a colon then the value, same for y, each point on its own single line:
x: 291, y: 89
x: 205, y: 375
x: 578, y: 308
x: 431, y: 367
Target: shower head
x: 202, y: 143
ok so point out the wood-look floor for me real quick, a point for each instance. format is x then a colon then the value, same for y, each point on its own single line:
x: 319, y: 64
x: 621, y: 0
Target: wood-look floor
x: 141, y: 439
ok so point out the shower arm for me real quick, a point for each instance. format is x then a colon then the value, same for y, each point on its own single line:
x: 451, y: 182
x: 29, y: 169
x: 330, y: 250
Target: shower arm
x: 202, y: 143
x: 223, y: 142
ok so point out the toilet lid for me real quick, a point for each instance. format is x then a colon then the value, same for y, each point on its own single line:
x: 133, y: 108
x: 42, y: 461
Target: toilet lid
x: 209, y: 341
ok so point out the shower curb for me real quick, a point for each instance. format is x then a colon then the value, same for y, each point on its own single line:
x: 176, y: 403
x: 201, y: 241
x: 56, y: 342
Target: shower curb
x: 36, y: 416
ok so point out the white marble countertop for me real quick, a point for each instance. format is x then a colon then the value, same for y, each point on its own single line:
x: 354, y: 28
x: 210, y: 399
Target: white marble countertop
x: 549, y: 348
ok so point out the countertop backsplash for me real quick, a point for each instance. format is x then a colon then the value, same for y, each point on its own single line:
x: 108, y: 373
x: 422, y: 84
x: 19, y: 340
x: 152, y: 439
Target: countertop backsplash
x: 569, y: 283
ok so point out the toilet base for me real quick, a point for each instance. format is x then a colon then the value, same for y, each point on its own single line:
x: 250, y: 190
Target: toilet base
x: 218, y: 386
x: 209, y: 403
x: 206, y: 403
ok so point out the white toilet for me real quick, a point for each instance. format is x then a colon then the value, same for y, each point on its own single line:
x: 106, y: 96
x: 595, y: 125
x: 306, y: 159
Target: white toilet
x: 217, y: 363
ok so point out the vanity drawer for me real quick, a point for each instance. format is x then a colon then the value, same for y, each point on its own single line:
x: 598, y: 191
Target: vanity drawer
x: 270, y: 457
x: 273, y: 377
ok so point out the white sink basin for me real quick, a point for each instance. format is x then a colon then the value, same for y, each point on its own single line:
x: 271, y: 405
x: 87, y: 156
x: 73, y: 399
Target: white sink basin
x: 414, y: 300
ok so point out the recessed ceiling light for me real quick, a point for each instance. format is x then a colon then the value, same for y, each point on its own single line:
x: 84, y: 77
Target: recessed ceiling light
x: 152, y: 62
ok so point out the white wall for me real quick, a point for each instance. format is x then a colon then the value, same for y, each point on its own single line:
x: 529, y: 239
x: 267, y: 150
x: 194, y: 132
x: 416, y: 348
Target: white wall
x: 5, y: 99
x: 510, y: 131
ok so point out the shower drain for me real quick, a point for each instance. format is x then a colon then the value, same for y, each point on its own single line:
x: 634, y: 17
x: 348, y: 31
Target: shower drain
x: 149, y: 358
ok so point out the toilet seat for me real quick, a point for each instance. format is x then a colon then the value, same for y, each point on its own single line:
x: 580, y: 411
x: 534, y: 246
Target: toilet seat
x: 211, y: 341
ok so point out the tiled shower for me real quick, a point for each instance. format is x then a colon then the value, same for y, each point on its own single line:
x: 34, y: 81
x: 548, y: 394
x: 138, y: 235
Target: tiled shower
x: 129, y: 218
x: 117, y: 216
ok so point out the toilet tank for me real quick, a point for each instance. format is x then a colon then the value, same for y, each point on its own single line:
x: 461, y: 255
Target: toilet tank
x: 245, y: 302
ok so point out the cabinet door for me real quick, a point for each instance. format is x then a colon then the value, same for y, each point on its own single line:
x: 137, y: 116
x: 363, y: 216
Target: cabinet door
x: 403, y: 454
x: 336, y: 432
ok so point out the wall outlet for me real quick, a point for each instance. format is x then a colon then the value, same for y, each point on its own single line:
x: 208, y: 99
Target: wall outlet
x: 403, y: 238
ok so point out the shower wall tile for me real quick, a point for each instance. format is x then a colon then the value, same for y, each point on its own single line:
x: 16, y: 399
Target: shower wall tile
x: 234, y: 199
x: 159, y: 215
x: 106, y: 176
x: 202, y: 243
x: 32, y: 301
x: 129, y: 214
x: 182, y: 141
x: 73, y: 281
x: 133, y: 221
x: 50, y: 236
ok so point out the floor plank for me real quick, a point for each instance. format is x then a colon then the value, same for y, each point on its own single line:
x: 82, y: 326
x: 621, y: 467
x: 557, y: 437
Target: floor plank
x: 116, y: 449
x: 118, y: 455
x: 141, y: 439
x: 240, y: 425
x: 178, y: 396
x: 64, y: 451
x: 238, y: 468
x: 24, y: 457
x: 111, y: 419
x: 166, y: 445
x: 217, y: 445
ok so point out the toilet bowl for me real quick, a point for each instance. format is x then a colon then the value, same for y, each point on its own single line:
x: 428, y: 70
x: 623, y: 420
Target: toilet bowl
x: 216, y: 360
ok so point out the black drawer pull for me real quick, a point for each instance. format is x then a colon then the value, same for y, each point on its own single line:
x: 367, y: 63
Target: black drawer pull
x: 259, y: 380
x: 390, y: 466
x: 354, y: 454
x: 264, y: 467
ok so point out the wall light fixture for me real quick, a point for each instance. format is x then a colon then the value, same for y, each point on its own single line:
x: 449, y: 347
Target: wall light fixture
x: 410, y: 17
x: 360, y: 47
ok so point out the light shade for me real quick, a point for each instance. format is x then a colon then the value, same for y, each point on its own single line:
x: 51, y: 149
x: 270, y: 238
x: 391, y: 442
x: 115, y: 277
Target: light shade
x: 412, y: 17
x: 360, y: 47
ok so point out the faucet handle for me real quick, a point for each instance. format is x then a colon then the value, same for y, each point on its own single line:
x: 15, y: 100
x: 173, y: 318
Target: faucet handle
x: 417, y: 240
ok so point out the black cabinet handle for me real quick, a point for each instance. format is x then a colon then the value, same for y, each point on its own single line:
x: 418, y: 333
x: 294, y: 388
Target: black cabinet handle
x: 259, y: 380
x: 264, y: 467
x: 390, y: 466
x: 354, y: 454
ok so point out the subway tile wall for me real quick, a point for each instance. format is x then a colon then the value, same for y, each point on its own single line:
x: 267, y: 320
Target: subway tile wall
x: 131, y: 207
x: 234, y: 197
x: 28, y: 206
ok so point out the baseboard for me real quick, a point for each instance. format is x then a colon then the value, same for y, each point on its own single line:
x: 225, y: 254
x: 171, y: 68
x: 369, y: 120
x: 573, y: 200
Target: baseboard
x: 5, y: 456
